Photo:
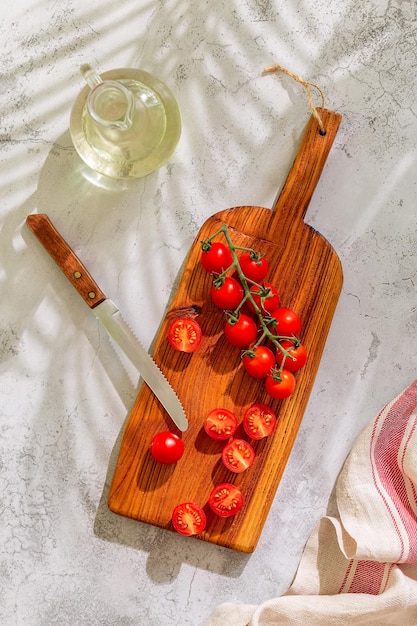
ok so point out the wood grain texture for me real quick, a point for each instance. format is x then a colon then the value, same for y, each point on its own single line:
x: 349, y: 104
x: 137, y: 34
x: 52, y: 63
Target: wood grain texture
x: 65, y: 258
x: 308, y: 274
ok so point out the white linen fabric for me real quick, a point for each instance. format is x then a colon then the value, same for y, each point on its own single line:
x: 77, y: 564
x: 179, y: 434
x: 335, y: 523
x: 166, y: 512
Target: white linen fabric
x: 359, y: 566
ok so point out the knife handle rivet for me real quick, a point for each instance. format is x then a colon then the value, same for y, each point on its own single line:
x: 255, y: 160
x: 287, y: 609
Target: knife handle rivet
x: 77, y: 274
x: 91, y: 295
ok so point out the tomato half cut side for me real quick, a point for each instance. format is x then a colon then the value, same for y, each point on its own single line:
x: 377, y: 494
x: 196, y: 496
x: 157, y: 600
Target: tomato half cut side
x: 184, y: 334
x: 225, y: 500
x: 259, y: 421
x: 188, y: 519
x: 220, y: 424
x: 238, y: 455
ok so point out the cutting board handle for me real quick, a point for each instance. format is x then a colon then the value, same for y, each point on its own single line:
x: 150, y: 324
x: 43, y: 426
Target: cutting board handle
x: 294, y: 198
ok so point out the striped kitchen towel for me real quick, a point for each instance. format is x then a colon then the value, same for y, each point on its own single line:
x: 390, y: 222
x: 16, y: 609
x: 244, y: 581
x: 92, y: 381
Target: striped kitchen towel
x: 359, y: 566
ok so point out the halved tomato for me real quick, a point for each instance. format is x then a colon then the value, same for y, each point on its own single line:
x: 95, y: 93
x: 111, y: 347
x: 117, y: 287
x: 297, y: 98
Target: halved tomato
x: 220, y: 424
x: 238, y: 455
x: 184, y: 334
x: 188, y: 519
x: 259, y: 421
x: 225, y: 500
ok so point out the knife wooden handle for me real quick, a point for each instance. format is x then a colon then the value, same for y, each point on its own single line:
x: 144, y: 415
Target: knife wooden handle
x: 65, y: 258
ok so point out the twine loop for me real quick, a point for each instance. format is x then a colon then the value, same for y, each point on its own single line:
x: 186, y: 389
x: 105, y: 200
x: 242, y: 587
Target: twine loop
x: 307, y: 86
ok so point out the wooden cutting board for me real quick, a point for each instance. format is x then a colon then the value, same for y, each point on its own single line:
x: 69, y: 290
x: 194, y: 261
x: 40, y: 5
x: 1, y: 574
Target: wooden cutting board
x: 308, y: 275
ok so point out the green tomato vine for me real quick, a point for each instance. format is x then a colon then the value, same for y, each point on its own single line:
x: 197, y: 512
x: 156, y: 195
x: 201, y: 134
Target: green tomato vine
x: 268, y: 324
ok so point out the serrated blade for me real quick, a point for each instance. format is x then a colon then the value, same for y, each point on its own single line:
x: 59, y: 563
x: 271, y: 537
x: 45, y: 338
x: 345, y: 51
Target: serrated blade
x: 108, y: 314
x: 112, y: 320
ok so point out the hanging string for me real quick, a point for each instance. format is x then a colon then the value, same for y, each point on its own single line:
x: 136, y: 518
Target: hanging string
x: 307, y: 86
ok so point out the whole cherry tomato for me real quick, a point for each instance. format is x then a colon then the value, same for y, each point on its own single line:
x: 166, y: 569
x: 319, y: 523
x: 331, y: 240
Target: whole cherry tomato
x: 238, y: 455
x: 228, y: 294
x: 280, y: 387
x: 220, y: 424
x: 188, y: 519
x: 184, y: 334
x: 217, y: 258
x: 266, y: 297
x: 258, y: 362
x: 259, y: 421
x: 225, y: 500
x: 297, y: 355
x: 254, y: 266
x: 166, y: 448
x: 241, y: 333
x: 288, y: 322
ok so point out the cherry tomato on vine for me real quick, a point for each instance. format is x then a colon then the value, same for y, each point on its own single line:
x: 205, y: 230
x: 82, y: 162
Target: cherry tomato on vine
x: 266, y: 297
x: 228, y: 294
x: 188, y: 519
x: 217, y: 258
x: 280, y: 389
x: 166, y: 448
x: 225, y: 500
x: 238, y: 455
x: 297, y: 355
x: 220, y: 424
x: 258, y: 362
x: 288, y: 322
x: 259, y: 421
x: 254, y: 266
x: 241, y: 333
x: 184, y: 334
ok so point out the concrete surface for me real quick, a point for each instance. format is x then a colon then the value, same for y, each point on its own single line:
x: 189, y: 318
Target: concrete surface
x: 64, y: 558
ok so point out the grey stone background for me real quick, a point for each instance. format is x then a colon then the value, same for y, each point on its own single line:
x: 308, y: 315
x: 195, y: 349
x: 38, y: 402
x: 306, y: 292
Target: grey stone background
x: 64, y: 558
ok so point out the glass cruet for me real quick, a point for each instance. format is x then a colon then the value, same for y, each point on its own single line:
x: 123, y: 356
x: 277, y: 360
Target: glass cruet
x: 125, y: 123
